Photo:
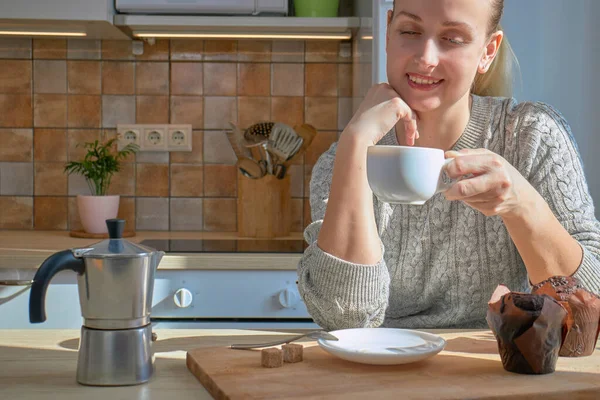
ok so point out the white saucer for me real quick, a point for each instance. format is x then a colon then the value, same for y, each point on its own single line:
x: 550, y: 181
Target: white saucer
x: 383, y: 346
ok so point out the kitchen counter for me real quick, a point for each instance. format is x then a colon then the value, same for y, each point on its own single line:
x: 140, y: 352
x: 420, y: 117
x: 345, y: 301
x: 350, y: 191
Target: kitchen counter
x: 28, y: 249
x: 41, y: 364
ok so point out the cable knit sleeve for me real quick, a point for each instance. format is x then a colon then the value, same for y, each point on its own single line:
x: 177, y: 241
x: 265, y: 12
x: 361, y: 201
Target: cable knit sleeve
x: 550, y: 160
x: 338, y: 294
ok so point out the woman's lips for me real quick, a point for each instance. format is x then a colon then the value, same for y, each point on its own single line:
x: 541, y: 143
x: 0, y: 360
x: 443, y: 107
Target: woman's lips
x: 422, y: 85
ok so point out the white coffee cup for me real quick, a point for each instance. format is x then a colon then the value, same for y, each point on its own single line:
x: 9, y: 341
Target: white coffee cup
x: 406, y: 175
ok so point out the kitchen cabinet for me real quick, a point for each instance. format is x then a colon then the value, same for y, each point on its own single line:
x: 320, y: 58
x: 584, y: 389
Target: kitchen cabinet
x: 94, y: 17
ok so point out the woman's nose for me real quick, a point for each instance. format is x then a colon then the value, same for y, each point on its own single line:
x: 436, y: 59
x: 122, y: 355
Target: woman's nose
x: 428, y: 56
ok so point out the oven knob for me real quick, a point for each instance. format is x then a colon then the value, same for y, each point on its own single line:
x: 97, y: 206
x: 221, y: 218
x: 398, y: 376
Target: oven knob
x: 183, y: 298
x: 288, y: 298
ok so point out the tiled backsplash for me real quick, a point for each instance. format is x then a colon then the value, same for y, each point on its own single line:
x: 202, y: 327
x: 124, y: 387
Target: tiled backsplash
x: 55, y: 94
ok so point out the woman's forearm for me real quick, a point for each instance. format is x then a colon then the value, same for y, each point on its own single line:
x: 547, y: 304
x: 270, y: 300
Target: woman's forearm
x: 545, y: 246
x: 349, y: 231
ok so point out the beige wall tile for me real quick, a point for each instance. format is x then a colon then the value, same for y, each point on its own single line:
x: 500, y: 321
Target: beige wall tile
x: 289, y: 110
x: 78, y: 185
x: 322, y: 51
x: 187, y: 49
x: 220, y: 79
x: 297, y: 215
x: 287, y: 51
x: 321, y: 80
x: 254, y: 50
x: 186, y: 214
x: 320, y: 144
x: 83, y: 49
x: 152, y: 78
x: 217, y: 149
x: 152, y: 214
x: 15, y: 76
x: 321, y: 112
x: 51, y: 213
x: 116, y: 50
x: 344, y: 112
x: 186, y: 78
x: 50, y: 144
x: 153, y: 157
x: 84, y: 111
x: 287, y: 80
x: 156, y: 52
x: 17, y: 144
x: 220, y: 214
x: 123, y: 182
x: 345, y: 80
x: 307, y: 175
x: 252, y: 110
x: 76, y: 138
x: 296, y: 173
x: 83, y: 77
x: 186, y: 180
x: 127, y: 212
x: 73, y: 215
x: 50, y: 110
x: 49, y: 76
x: 152, y: 109
x: 50, y: 180
x: 307, y: 213
x: 50, y: 48
x: 152, y: 180
x: 16, y: 179
x: 191, y: 157
x: 16, y: 111
x: 219, y: 111
x: 15, y: 48
x: 187, y: 110
x: 17, y: 212
x: 220, y: 180
x: 254, y: 79
x: 117, y: 110
x: 220, y: 50
x: 118, y: 77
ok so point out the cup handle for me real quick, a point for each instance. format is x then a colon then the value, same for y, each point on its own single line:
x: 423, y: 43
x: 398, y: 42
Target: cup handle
x: 443, y: 186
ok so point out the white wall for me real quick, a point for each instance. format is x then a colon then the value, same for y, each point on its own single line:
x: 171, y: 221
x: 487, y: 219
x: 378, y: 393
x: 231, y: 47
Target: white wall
x: 557, y: 43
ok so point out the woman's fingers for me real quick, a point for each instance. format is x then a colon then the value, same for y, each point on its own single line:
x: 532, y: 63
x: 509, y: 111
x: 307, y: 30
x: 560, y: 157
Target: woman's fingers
x: 385, y: 115
x: 472, y: 164
x: 410, y: 127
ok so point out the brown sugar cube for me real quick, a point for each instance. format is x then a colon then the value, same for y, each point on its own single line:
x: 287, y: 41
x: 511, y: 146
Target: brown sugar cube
x: 292, y: 353
x: 271, y: 358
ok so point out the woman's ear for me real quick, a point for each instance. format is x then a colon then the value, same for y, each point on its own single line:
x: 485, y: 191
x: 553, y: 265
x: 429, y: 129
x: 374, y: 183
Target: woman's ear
x: 490, y: 52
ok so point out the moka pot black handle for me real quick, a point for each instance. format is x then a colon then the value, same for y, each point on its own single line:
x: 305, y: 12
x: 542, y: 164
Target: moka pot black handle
x: 50, y: 267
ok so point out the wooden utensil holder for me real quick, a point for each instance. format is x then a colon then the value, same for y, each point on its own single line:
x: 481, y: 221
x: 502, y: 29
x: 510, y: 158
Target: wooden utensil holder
x: 264, y: 206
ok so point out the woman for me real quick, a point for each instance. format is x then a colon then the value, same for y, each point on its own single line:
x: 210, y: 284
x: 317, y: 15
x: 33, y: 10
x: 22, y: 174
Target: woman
x: 523, y: 214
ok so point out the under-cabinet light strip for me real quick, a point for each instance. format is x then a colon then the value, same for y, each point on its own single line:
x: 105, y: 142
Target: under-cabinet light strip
x: 207, y: 35
x: 41, y: 33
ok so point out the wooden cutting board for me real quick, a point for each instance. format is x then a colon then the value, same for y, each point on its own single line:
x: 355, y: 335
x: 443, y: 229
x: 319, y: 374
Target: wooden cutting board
x: 468, y: 368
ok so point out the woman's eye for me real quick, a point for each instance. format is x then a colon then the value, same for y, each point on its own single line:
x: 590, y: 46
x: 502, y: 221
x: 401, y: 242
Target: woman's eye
x: 454, y: 40
x: 409, y: 33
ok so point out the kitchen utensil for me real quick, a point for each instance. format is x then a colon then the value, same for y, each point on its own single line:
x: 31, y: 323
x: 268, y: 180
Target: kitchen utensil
x: 310, y: 335
x: 251, y: 168
x: 236, y: 140
x: 284, y: 142
x: 115, y: 281
x: 307, y: 132
x: 262, y: 129
x: 260, y: 143
x: 383, y: 346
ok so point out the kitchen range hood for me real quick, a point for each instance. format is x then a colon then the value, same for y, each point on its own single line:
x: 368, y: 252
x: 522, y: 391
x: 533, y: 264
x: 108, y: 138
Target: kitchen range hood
x: 232, y: 19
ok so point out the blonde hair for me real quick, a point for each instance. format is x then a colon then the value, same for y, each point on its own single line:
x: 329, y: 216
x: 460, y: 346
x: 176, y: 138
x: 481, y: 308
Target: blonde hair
x: 497, y: 81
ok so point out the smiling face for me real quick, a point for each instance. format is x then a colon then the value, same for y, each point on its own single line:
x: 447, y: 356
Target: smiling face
x: 435, y: 48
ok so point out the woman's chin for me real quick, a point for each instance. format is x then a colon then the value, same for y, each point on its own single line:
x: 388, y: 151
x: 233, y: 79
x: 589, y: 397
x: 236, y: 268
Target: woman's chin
x: 423, y: 105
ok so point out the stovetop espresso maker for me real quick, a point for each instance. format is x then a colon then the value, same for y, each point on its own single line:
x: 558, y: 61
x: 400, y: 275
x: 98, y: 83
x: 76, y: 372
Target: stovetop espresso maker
x: 115, y: 280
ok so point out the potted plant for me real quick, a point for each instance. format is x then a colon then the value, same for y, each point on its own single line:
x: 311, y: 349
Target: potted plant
x: 98, y: 166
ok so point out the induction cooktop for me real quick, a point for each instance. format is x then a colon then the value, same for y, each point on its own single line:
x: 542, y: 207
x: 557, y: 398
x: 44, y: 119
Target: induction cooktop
x: 226, y: 245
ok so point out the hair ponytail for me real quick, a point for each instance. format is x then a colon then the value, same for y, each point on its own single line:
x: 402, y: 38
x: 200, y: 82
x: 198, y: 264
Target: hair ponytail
x: 498, y: 79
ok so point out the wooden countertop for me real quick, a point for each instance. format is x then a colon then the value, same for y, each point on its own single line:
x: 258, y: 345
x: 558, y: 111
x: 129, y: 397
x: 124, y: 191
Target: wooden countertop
x: 41, y: 364
x: 28, y: 249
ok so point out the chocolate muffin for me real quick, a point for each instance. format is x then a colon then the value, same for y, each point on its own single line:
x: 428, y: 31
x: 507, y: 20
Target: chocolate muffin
x: 584, y: 309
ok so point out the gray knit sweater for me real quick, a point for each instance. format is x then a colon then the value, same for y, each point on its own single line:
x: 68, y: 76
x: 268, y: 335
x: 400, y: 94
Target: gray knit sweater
x: 443, y: 260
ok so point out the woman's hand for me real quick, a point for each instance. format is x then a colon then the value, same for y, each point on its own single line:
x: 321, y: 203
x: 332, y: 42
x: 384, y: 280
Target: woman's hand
x: 493, y: 186
x: 379, y: 112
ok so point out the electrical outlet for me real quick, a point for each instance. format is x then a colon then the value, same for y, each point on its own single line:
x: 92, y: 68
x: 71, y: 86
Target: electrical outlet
x: 179, y: 137
x: 127, y: 134
x: 154, y: 138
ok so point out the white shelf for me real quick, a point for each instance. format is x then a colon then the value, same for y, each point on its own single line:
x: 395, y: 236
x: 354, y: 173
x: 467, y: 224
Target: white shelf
x: 233, y: 24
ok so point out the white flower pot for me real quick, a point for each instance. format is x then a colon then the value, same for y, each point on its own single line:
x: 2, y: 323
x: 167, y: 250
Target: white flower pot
x: 95, y: 210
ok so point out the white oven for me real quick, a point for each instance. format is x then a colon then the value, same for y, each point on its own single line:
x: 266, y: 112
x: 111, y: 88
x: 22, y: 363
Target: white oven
x: 200, y: 7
